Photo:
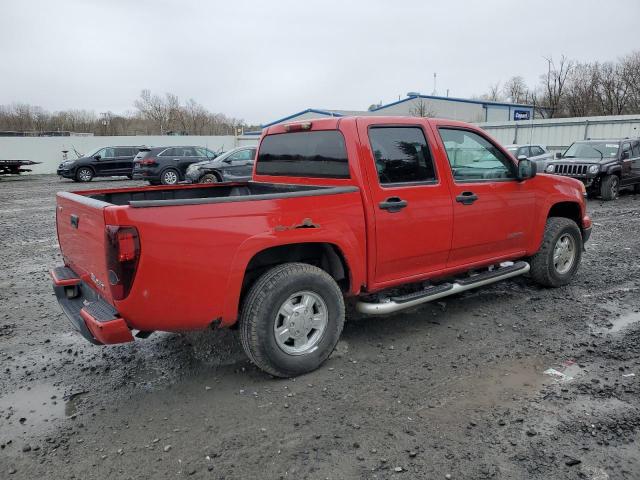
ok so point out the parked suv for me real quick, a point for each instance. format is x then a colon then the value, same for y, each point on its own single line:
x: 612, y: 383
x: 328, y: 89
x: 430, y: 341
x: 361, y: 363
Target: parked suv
x: 604, y: 166
x: 539, y: 154
x: 236, y: 165
x: 168, y: 165
x: 101, y: 162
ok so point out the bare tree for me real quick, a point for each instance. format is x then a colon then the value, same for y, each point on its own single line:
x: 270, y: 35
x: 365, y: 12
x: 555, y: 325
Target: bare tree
x: 422, y: 109
x: 553, y: 83
x: 613, y: 89
x: 153, y: 108
x: 515, y: 90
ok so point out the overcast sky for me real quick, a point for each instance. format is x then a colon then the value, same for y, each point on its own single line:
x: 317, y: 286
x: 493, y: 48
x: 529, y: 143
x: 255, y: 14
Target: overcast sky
x: 260, y: 60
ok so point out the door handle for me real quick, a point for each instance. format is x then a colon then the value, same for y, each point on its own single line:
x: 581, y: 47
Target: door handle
x: 466, y: 198
x: 393, y: 204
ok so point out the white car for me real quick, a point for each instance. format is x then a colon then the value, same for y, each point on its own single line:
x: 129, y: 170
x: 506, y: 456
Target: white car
x: 537, y: 153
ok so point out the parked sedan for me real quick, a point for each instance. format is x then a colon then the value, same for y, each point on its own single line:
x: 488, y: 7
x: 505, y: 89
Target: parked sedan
x: 100, y: 162
x: 537, y: 153
x: 236, y: 165
x: 168, y: 165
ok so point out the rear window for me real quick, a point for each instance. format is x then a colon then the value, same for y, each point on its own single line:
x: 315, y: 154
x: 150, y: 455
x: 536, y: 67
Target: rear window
x: 320, y: 154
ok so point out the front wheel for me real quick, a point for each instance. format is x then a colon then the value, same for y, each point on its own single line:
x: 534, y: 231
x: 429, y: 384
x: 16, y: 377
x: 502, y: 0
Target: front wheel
x: 84, y: 174
x: 610, y: 187
x: 292, y: 319
x: 169, y: 177
x: 558, y: 259
x: 209, y: 178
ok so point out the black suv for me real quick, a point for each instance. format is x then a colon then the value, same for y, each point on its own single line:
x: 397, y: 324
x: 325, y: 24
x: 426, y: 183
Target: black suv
x: 101, y: 162
x: 168, y: 165
x: 604, y: 166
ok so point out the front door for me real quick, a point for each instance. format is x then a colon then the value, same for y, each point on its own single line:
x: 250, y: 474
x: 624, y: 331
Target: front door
x: 635, y: 161
x: 240, y: 165
x: 492, y: 210
x: 106, y: 164
x: 627, y: 163
x: 411, y: 201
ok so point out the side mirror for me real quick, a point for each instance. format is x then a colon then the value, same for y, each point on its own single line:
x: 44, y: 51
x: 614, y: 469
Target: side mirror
x: 526, y: 169
x: 97, y: 157
x: 558, y: 156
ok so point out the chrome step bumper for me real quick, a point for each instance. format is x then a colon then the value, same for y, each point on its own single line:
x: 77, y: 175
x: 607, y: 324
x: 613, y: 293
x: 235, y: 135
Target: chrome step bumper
x: 395, y: 304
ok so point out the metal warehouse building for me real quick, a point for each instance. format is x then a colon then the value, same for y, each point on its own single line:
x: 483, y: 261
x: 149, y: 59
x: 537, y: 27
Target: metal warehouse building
x: 416, y: 104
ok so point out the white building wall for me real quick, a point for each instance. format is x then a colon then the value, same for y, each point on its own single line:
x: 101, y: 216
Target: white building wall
x: 559, y: 133
x: 48, y: 150
x: 464, y: 111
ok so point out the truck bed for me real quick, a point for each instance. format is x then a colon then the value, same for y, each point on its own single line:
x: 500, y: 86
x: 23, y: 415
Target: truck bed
x: 198, y: 194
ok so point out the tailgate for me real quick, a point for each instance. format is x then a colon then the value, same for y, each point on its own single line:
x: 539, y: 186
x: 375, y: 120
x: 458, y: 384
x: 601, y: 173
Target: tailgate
x: 81, y: 234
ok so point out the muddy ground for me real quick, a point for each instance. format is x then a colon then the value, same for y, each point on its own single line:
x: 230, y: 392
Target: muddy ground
x: 455, y: 389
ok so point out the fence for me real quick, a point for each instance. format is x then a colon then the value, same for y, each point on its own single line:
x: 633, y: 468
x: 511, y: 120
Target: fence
x: 48, y: 150
x: 559, y: 133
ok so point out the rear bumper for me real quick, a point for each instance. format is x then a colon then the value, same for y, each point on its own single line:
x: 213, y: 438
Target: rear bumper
x: 96, y: 320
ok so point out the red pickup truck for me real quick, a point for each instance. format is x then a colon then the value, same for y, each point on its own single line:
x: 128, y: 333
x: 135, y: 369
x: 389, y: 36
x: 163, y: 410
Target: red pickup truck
x: 386, y: 212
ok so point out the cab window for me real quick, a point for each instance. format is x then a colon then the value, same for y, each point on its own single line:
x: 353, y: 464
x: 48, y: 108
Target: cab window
x: 473, y: 158
x: 401, y: 155
x: 242, y: 155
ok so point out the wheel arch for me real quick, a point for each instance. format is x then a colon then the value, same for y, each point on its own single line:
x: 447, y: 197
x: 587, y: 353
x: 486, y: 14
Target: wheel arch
x: 567, y: 209
x: 326, y: 255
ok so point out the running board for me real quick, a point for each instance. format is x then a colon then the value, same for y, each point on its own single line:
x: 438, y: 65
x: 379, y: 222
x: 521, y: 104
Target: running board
x: 397, y: 303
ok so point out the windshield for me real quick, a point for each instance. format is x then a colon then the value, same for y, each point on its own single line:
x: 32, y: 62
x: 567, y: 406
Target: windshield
x: 92, y: 152
x: 592, y: 150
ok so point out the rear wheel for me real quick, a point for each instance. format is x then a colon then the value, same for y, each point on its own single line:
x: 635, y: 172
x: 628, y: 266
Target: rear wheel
x: 169, y: 177
x: 209, y: 178
x: 84, y: 174
x: 610, y: 187
x: 558, y: 259
x: 292, y: 319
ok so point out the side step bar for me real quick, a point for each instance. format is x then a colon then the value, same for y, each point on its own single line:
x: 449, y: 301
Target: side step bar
x: 395, y: 304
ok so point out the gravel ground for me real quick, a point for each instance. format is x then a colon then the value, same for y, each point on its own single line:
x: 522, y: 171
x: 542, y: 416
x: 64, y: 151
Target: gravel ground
x: 455, y: 389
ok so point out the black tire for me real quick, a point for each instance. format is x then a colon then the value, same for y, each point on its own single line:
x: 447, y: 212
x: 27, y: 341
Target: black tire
x: 209, y: 178
x: 84, y: 174
x: 260, y: 314
x: 610, y: 187
x: 636, y: 188
x: 543, y: 267
x: 130, y: 177
x: 154, y: 182
x: 170, y: 177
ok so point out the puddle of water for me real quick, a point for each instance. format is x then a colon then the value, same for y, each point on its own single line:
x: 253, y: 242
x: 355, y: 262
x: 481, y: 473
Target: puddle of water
x: 623, y: 321
x: 33, y: 410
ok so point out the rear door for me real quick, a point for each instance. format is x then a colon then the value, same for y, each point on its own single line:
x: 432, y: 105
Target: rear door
x: 492, y: 209
x: 412, y: 204
x: 124, y: 160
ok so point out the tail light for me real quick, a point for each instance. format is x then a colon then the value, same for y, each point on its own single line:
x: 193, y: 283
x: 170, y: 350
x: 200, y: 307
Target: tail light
x: 122, y: 255
x: 147, y: 161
